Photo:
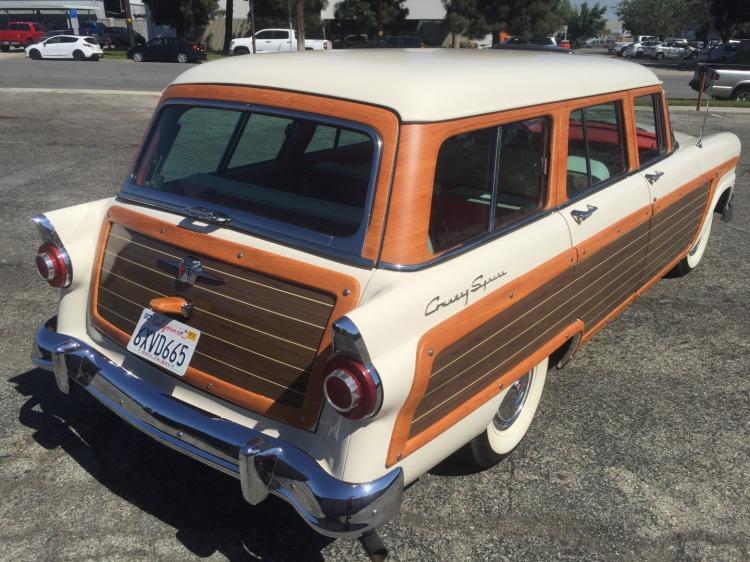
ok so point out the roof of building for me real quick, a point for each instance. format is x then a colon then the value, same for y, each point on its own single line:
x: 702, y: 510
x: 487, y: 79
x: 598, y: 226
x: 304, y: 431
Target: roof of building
x: 430, y: 84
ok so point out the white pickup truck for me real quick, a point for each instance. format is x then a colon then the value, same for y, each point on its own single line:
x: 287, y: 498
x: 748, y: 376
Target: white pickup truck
x: 275, y: 41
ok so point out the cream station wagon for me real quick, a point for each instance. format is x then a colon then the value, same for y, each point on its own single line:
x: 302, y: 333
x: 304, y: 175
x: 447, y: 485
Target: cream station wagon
x: 327, y: 272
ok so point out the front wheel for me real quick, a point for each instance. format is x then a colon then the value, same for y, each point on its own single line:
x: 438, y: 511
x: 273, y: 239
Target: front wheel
x: 518, y: 404
x: 182, y: 58
x: 137, y: 56
x: 34, y: 54
x: 691, y: 261
x: 659, y: 56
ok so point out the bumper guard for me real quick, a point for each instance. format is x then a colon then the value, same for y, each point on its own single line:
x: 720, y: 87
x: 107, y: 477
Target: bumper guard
x: 263, y: 464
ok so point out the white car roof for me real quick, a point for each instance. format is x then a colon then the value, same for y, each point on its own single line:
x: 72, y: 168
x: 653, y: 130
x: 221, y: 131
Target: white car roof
x: 424, y: 85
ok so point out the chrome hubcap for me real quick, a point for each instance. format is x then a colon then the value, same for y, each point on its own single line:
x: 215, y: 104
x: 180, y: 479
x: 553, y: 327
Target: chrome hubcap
x: 513, y: 402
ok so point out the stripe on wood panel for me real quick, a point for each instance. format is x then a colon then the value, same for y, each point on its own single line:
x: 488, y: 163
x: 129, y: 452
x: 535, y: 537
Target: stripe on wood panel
x: 258, y: 333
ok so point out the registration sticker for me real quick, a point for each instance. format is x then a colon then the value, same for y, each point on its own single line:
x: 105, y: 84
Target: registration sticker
x: 164, y: 341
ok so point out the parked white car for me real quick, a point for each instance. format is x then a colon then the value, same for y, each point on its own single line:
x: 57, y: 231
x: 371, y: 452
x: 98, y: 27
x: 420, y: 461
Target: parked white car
x: 670, y: 50
x: 636, y: 50
x: 275, y: 41
x: 65, y: 47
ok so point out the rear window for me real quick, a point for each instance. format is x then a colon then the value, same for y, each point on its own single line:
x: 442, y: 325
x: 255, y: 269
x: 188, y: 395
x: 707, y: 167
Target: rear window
x: 289, y: 170
x: 18, y: 27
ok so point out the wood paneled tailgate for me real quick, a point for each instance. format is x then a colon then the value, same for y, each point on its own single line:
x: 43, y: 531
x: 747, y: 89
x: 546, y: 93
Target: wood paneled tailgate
x: 260, y: 334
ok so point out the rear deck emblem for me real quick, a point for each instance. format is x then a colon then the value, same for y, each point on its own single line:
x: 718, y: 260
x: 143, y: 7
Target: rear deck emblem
x: 190, y: 270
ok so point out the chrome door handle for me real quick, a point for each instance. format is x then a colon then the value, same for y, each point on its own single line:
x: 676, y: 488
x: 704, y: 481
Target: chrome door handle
x: 580, y: 216
x: 653, y: 178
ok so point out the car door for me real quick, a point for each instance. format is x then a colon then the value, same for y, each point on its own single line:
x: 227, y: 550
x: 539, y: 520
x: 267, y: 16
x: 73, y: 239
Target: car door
x: 52, y: 48
x: 153, y: 50
x: 281, y: 40
x: 264, y: 41
x: 607, y: 211
x: 677, y: 200
x: 171, y: 49
x: 67, y: 46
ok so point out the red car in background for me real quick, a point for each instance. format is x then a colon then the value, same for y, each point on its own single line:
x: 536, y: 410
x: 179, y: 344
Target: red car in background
x: 20, y: 34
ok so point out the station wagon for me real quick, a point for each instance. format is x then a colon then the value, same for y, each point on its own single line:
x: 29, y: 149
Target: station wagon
x: 327, y: 272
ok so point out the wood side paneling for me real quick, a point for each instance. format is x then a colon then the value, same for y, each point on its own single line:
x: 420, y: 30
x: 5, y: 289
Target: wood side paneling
x: 264, y: 319
x: 460, y: 361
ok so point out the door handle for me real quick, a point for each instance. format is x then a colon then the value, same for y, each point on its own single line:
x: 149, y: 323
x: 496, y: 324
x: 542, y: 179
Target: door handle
x: 653, y: 178
x: 580, y: 216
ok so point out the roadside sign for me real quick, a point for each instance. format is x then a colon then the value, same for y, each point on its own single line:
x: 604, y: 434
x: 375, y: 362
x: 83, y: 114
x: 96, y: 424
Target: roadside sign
x: 73, y: 13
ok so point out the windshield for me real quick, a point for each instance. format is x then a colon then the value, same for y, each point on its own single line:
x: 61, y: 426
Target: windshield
x: 300, y: 172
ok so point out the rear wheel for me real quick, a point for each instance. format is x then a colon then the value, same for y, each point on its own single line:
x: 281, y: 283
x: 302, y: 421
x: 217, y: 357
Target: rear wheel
x: 182, y: 58
x: 5, y: 48
x: 659, y: 56
x: 78, y: 55
x: 518, y: 404
x: 137, y: 56
x: 34, y: 54
x: 691, y: 261
x: 741, y: 94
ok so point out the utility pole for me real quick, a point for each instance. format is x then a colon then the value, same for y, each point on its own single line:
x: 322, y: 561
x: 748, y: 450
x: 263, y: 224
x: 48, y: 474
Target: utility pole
x: 129, y: 22
x: 252, y: 23
x: 300, y: 25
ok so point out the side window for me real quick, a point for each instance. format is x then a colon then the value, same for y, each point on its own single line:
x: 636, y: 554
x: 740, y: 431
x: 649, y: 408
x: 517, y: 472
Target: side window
x: 597, y: 150
x: 280, y: 34
x: 264, y: 35
x: 324, y: 138
x: 649, y: 128
x: 69, y: 40
x: 52, y: 41
x: 488, y: 179
x: 261, y: 140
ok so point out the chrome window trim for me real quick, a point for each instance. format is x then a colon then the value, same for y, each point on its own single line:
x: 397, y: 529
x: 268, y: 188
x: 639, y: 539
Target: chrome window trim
x: 347, y: 249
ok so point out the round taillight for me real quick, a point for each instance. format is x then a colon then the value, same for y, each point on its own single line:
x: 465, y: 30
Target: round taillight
x: 51, y: 265
x: 350, y: 389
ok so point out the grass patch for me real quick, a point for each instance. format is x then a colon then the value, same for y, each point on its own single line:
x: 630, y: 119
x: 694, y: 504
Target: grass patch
x: 714, y: 103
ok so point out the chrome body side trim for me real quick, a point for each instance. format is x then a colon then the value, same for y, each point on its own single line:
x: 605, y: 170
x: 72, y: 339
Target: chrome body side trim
x: 348, y: 249
x: 263, y: 464
x: 49, y: 235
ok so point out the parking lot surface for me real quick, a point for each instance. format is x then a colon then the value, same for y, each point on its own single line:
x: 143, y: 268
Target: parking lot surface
x: 639, y: 451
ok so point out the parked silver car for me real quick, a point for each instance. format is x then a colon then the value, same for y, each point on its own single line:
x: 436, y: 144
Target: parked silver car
x: 671, y: 50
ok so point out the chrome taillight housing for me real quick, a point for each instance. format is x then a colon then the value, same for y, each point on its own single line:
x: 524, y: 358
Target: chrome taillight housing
x: 52, y: 261
x: 351, y: 389
x: 52, y: 265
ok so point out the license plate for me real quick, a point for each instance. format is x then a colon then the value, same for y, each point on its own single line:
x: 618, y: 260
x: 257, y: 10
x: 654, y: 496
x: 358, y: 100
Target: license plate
x: 164, y: 341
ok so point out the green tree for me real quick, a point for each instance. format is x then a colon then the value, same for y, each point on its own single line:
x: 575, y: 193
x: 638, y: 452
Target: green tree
x: 464, y: 18
x: 729, y: 16
x: 648, y: 17
x: 374, y: 17
x: 529, y: 19
x: 276, y: 13
x: 586, y: 21
x: 183, y: 15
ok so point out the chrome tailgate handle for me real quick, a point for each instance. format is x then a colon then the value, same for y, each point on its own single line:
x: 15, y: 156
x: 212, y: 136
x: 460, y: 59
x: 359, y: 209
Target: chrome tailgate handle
x: 580, y: 216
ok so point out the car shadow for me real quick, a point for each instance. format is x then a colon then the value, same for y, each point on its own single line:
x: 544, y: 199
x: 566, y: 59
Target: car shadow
x: 204, y: 506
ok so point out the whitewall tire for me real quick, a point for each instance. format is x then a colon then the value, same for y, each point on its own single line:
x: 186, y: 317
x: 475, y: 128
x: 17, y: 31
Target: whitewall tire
x: 691, y: 261
x: 516, y: 409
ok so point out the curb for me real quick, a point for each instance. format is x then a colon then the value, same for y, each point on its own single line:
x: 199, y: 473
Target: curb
x: 719, y: 109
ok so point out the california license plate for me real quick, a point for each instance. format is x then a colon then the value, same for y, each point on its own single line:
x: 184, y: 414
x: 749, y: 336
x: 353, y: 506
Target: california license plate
x: 164, y: 341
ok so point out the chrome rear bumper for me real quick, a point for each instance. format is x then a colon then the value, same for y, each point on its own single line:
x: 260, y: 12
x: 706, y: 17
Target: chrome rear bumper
x: 263, y: 464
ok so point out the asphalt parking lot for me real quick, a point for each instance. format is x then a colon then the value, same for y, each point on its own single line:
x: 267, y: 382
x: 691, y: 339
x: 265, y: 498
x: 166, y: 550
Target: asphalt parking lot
x: 640, y: 449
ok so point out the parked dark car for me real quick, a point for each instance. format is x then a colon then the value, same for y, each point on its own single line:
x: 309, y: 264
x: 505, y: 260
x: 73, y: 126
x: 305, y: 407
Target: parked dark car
x: 393, y: 42
x: 118, y: 37
x: 56, y: 32
x: 351, y: 41
x: 169, y: 49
